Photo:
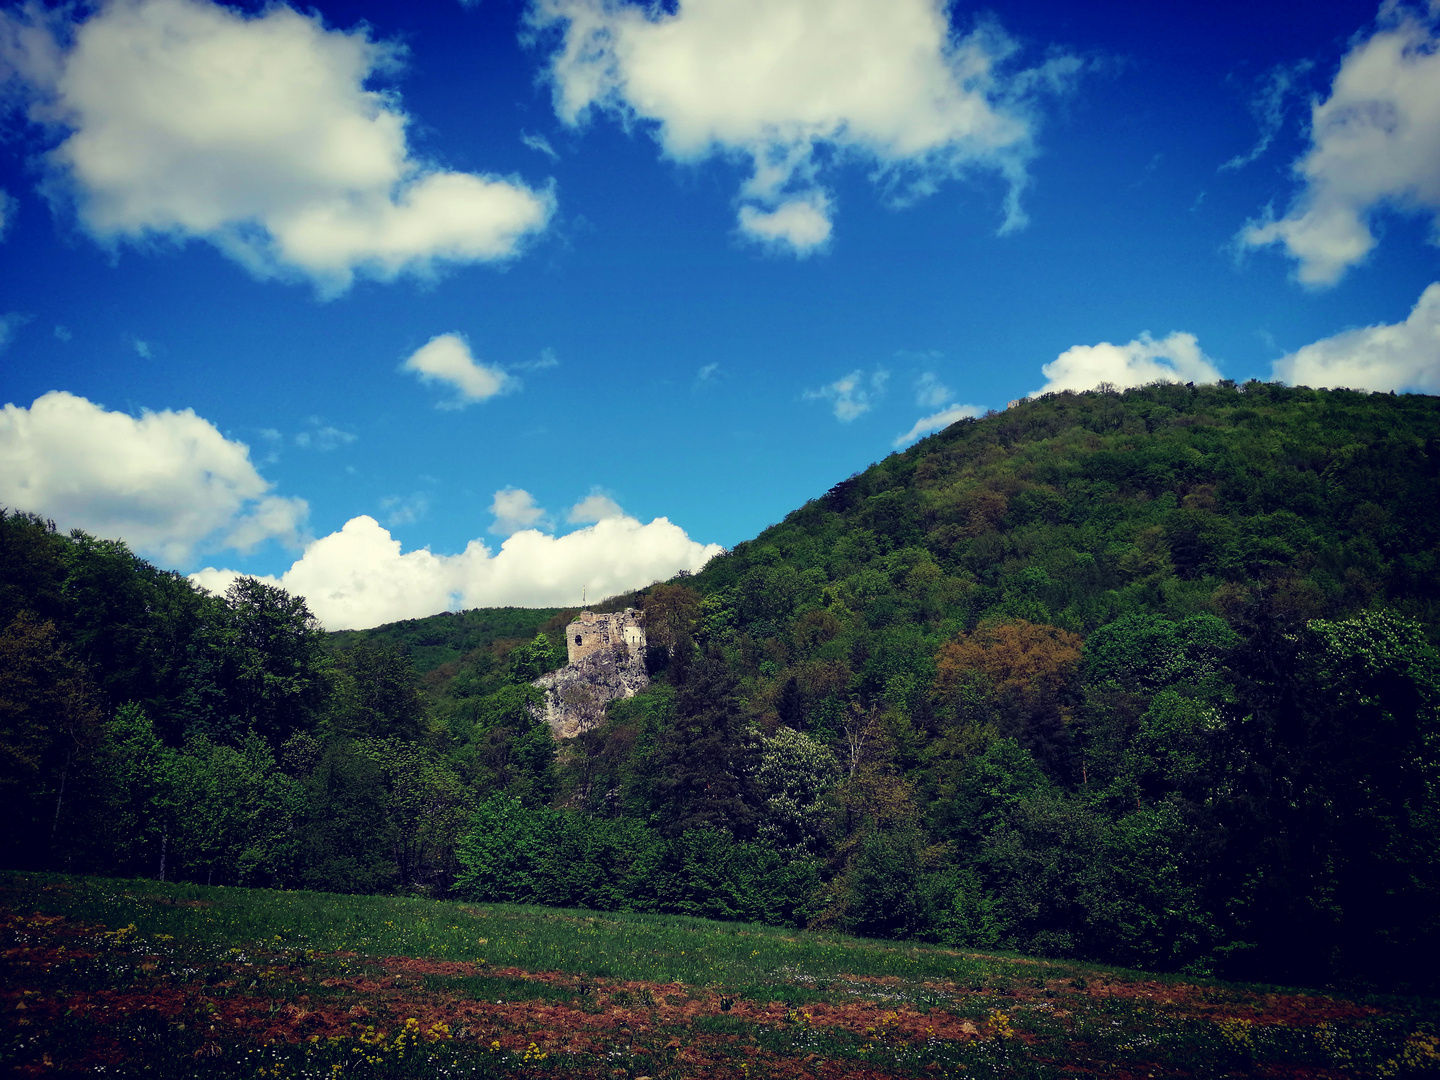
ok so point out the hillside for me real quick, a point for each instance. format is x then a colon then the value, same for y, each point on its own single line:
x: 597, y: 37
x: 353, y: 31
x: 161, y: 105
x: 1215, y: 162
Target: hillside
x: 1145, y: 677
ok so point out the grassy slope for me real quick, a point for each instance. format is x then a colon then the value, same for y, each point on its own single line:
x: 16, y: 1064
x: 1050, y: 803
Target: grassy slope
x: 186, y: 980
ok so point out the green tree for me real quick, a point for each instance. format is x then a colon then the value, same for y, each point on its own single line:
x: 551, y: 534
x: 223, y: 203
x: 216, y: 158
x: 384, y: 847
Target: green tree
x: 50, y: 728
x: 538, y: 657
x: 346, y: 842
x: 428, y: 806
x: 792, y: 776
x: 703, y: 767
x: 235, y: 814
x: 139, y: 773
x: 375, y: 694
x: 275, y: 677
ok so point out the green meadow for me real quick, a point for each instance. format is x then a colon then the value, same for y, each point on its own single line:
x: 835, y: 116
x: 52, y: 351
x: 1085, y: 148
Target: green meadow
x: 135, y: 977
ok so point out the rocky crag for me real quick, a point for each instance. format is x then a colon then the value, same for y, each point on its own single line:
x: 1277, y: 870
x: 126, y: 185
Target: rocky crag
x: 607, y: 661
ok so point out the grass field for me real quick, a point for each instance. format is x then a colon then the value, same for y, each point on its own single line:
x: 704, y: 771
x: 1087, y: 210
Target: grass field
x: 131, y: 978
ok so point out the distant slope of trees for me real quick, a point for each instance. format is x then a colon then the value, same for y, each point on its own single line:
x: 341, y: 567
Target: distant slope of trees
x: 1149, y: 677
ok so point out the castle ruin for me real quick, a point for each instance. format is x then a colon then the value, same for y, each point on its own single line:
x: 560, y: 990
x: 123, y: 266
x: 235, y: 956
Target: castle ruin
x: 590, y: 633
x: 607, y: 661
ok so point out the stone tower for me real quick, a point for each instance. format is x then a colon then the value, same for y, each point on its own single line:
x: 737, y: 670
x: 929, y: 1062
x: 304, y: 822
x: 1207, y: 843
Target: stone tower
x: 591, y: 633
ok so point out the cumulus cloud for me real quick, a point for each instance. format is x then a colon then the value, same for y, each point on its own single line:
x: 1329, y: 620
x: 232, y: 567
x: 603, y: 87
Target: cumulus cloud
x: 937, y: 422
x: 359, y: 577
x: 167, y: 482
x: 594, y: 507
x: 446, y: 360
x: 187, y: 119
x: 852, y: 395
x: 795, y: 86
x: 1176, y: 358
x: 1375, y: 142
x: 1397, y: 356
x: 801, y: 225
x: 515, y: 509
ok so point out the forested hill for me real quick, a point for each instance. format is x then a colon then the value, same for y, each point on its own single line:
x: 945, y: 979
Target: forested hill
x: 1073, y: 510
x: 1149, y: 677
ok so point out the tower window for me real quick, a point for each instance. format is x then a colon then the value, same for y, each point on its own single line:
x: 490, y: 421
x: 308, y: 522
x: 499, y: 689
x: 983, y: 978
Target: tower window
x: 578, y: 640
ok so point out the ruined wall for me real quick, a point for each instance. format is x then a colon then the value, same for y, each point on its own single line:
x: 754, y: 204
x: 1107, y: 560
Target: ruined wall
x: 591, y: 633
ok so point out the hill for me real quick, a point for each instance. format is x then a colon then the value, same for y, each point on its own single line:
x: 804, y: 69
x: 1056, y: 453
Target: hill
x: 1145, y: 677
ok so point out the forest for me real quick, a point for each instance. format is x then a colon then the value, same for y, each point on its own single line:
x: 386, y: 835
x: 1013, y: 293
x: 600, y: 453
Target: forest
x: 1145, y: 677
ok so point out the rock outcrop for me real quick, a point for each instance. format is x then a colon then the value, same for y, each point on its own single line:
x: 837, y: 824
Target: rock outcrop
x: 576, y: 695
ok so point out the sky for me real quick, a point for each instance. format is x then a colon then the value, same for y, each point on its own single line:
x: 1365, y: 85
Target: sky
x: 416, y: 307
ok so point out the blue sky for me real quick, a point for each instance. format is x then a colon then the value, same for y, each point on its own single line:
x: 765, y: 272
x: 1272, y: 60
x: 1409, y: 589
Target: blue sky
x: 414, y: 306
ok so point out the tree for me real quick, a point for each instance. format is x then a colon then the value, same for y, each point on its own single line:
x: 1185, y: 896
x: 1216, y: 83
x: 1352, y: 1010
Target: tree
x: 671, y: 612
x: 428, y: 807
x: 235, y: 815
x: 139, y: 775
x: 792, y: 777
x: 1019, y: 678
x: 790, y: 706
x: 535, y: 658
x: 375, y: 694
x: 275, y: 679
x: 346, y: 842
x: 32, y: 570
x: 703, y: 767
x: 49, y: 730
x: 1330, y: 847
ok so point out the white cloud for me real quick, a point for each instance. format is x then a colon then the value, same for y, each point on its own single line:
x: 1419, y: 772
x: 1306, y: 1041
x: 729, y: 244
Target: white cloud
x: 168, y: 483
x: 938, y: 421
x: 797, y: 85
x: 405, y: 509
x: 187, y: 119
x: 802, y: 225
x: 546, y: 360
x: 9, y: 323
x: 1375, y: 143
x: 514, y: 510
x: 594, y: 507
x: 1268, y: 107
x: 143, y: 349
x: 851, y: 395
x: 325, y: 437
x: 930, y: 392
x: 7, y: 211
x: 1176, y: 358
x: 359, y: 577
x: 1397, y: 356
x: 541, y: 145
x: 446, y: 359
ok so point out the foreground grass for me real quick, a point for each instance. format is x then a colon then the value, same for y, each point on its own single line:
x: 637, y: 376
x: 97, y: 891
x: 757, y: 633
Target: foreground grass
x: 134, y: 977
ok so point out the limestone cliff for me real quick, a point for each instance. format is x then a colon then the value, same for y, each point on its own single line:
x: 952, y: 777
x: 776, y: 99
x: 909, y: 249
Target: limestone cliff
x: 576, y: 695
